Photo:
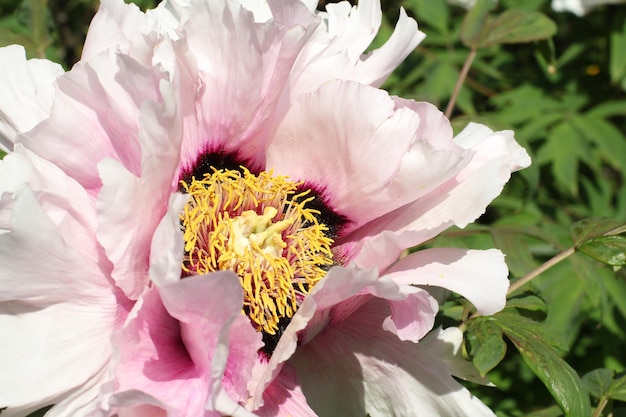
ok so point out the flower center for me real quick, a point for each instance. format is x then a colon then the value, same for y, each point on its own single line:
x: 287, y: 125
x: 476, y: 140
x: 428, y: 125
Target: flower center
x: 258, y: 226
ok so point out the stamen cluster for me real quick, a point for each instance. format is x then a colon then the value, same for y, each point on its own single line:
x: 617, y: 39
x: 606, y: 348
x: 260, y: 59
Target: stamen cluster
x: 259, y: 227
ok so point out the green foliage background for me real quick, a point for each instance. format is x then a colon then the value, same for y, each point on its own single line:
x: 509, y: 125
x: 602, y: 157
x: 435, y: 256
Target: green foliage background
x: 565, y: 99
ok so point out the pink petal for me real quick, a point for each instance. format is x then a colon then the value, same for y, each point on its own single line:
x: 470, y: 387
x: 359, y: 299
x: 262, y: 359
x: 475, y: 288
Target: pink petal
x: 481, y: 276
x: 27, y: 88
x: 233, y: 107
x: 393, y: 166
x: 131, y: 208
x: 113, y: 27
x: 284, y: 398
x: 356, y: 368
x: 458, y: 201
x: 176, y: 349
x: 108, y: 107
x: 335, y: 50
x: 333, y: 300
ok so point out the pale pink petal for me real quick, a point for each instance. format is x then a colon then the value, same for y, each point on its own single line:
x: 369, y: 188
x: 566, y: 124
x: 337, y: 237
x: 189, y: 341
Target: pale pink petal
x: 284, y: 398
x: 107, y: 107
x: 395, y: 164
x: 27, y: 87
x: 166, y: 251
x: 176, y: 347
x: 153, y: 359
x: 130, y: 208
x: 43, y: 262
x: 233, y: 107
x: 377, y: 65
x: 113, y: 27
x: 458, y: 201
x: 412, y: 317
x: 481, y: 276
x: 335, y: 50
x: 333, y: 300
x: 356, y: 368
x: 52, y: 350
x: 445, y: 345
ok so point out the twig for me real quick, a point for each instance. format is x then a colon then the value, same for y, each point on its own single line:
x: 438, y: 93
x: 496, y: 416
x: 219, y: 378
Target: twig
x: 459, y: 82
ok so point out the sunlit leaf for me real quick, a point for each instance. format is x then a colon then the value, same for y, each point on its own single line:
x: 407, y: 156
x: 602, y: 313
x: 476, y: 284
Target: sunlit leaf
x: 587, y: 229
x: 558, y: 376
x: 610, y: 250
x: 517, y: 26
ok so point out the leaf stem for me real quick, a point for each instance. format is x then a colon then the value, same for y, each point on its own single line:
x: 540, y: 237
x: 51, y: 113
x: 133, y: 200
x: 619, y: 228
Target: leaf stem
x: 541, y: 268
x: 600, y: 407
x: 459, y: 82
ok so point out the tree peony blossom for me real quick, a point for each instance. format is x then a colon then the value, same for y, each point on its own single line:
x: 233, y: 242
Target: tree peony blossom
x: 217, y: 199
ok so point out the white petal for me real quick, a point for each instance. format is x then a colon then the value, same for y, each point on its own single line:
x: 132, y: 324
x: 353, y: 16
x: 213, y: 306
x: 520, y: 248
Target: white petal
x: 27, y: 89
x: 481, y: 276
x: 356, y: 368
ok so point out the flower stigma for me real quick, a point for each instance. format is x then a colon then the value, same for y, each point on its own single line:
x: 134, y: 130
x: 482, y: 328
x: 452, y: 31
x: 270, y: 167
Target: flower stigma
x: 260, y: 227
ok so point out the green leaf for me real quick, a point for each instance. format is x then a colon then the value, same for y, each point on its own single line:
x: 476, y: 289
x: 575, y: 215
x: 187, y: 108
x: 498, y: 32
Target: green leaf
x: 610, y: 141
x: 486, y: 346
x: 516, y: 26
x: 529, y: 302
x: 598, y: 382
x: 610, y: 250
x: 433, y: 13
x: 617, y: 63
x: 561, y: 380
x: 587, y: 229
x: 601, y: 383
x: 565, y: 148
x: 618, y: 389
x: 474, y: 23
x: 511, y: 242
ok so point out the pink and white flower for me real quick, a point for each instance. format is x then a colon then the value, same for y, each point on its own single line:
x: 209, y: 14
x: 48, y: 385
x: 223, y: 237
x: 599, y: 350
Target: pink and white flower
x: 204, y: 160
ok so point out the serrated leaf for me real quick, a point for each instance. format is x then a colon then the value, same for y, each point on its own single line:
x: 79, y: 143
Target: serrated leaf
x: 486, y: 346
x: 565, y: 147
x: 474, y: 23
x: 609, y: 140
x: 587, y: 229
x: 516, y: 26
x: 610, y: 250
x: 561, y: 380
x: 598, y: 382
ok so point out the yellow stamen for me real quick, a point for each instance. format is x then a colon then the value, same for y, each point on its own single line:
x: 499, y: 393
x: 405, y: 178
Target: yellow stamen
x: 258, y: 227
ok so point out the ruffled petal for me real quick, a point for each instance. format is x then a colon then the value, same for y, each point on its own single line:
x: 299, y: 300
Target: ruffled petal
x: 481, y: 276
x: 284, y: 397
x: 114, y: 26
x: 234, y: 107
x: 356, y: 368
x: 395, y: 164
x: 333, y: 300
x: 458, y: 201
x: 27, y: 88
x: 131, y: 208
x: 108, y: 108
x: 336, y: 49
x: 176, y: 348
